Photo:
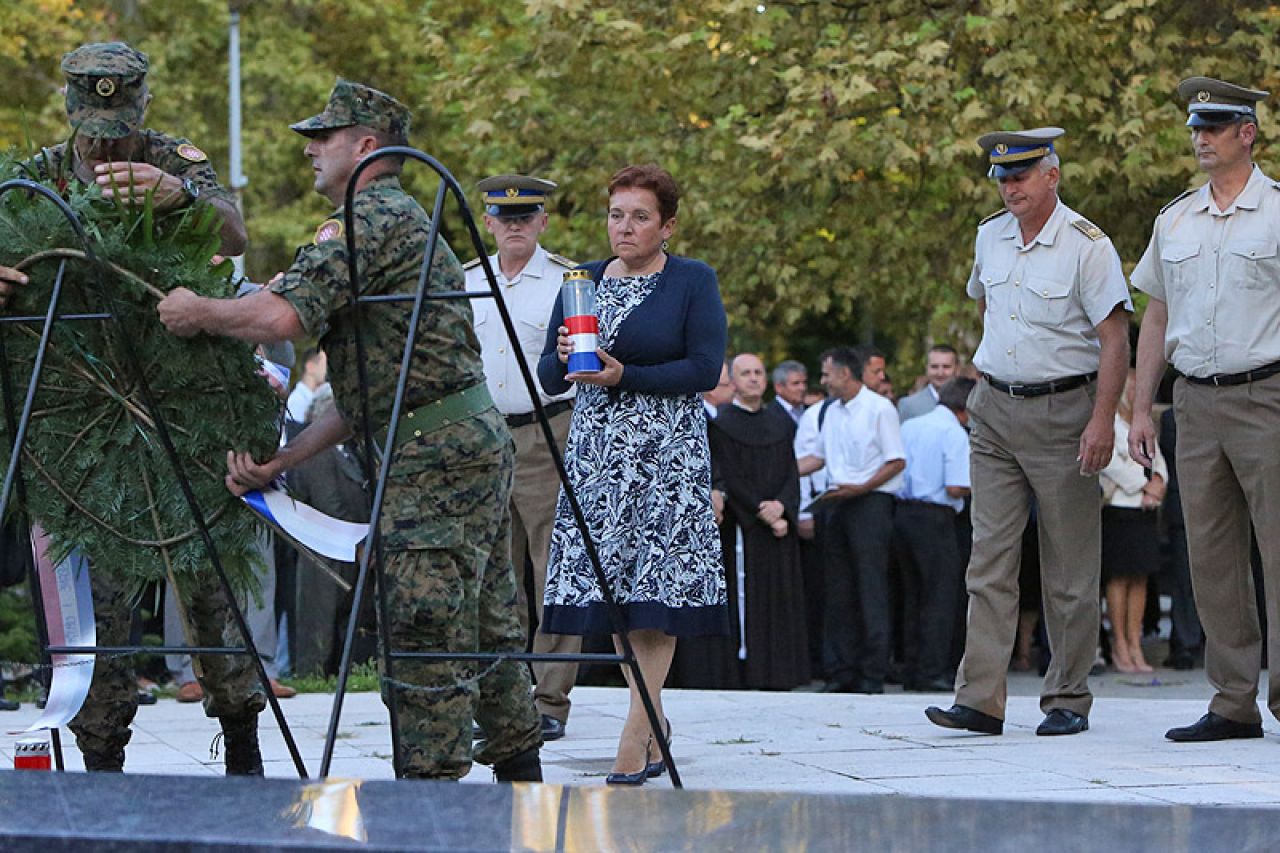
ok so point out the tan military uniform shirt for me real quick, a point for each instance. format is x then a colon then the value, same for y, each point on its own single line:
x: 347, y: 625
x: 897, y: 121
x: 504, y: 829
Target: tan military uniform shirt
x: 1219, y: 273
x: 1044, y: 299
x: 531, y: 297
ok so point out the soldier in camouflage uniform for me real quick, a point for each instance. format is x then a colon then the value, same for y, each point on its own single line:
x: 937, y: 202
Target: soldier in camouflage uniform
x: 446, y: 523
x: 106, y: 99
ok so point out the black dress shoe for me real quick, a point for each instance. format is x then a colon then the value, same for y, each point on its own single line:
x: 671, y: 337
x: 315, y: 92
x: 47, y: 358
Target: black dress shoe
x: 552, y: 729
x: 1060, y: 721
x: 9, y: 705
x: 929, y: 685
x: 146, y: 697
x: 961, y: 717
x: 836, y: 687
x: 872, y: 686
x: 477, y: 733
x: 1213, y: 727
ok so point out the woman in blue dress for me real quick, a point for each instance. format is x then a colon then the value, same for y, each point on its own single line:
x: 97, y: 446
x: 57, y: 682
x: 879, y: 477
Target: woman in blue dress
x: 637, y: 452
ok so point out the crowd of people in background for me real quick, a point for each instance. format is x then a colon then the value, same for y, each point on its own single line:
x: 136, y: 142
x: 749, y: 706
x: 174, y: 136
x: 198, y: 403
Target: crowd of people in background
x: 847, y: 590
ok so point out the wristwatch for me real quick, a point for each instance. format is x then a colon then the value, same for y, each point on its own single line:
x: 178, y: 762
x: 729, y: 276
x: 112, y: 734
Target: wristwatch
x: 192, y: 191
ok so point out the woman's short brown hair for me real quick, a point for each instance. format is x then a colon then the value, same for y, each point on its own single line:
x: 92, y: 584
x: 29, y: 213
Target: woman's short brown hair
x: 653, y: 178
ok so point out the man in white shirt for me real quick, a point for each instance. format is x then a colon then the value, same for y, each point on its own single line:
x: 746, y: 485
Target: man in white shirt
x: 530, y: 278
x: 941, y: 364
x: 1053, y: 357
x: 934, y: 487
x: 861, y: 450
x: 1212, y: 273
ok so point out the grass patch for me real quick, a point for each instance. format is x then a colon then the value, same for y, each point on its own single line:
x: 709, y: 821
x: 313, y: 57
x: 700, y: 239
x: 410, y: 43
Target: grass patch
x: 364, y: 679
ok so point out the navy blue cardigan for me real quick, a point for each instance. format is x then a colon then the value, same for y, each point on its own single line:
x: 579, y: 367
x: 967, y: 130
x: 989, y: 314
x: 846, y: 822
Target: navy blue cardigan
x: 671, y: 343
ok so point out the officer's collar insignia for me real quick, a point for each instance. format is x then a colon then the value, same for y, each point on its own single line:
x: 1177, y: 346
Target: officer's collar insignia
x: 106, y: 87
x: 187, y: 151
x: 330, y: 229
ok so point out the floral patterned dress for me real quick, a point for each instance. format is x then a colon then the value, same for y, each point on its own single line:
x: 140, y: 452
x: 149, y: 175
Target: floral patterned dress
x: 641, y: 470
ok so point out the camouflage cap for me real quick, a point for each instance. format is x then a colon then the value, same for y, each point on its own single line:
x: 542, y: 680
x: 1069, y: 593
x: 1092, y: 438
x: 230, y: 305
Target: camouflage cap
x: 106, y: 89
x: 354, y: 103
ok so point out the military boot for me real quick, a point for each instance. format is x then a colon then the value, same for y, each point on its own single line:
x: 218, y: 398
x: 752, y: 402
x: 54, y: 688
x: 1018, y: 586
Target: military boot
x: 522, y: 767
x: 240, y: 739
x: 106, y: 761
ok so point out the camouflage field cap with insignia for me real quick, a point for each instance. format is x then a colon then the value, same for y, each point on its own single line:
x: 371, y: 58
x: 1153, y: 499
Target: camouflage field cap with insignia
x: 354, y: 103
x: 106, y: 89
x: 514, y: 195
x: 1213, y: 103
x: 1013, y: 152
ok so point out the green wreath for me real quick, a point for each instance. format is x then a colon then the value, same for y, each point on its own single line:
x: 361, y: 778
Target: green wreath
x: 97, y: 477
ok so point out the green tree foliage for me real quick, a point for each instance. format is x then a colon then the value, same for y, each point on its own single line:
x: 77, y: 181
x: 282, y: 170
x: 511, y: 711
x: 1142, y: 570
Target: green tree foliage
x: 826, y: 148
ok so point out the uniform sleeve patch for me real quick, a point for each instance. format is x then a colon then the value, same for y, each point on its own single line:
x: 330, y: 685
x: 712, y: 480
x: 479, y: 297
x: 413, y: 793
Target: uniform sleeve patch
x: 190, y: 153
x: 1088, y: 229
x: 330, y: 229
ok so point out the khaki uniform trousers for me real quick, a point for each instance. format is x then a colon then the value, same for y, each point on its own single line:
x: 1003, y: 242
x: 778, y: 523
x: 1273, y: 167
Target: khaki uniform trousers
x: 533, y: 515
x: 1228, y: 456
x: 1020, y: 448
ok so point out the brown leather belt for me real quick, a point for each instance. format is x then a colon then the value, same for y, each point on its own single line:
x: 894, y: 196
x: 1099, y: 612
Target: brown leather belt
x: 1021, y: 391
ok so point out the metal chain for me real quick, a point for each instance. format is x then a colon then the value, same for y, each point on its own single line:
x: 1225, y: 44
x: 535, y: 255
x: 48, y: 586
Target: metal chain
x: 473, y: 681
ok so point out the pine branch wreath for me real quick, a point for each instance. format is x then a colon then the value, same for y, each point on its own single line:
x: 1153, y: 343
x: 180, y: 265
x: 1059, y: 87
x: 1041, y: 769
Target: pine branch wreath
x: 96, y: 475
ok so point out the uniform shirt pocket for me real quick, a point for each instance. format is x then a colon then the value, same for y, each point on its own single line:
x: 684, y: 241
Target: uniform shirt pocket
x: 1252, y: 264
x: 480, y: 311
x: 409, y: 531
x: 995, y: 287
x: 1046, y: 300
x: 1179, y: 261
x: 533, y: 334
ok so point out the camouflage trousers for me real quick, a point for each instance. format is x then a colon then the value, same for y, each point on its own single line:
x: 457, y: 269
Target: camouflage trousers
x: 446, y: 543
x: 230, y: 682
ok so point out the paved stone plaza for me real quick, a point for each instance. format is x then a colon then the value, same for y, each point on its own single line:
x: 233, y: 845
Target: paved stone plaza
x: 810, y: 742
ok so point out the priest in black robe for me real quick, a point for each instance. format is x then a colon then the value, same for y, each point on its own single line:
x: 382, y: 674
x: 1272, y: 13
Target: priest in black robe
x: 753, y: 466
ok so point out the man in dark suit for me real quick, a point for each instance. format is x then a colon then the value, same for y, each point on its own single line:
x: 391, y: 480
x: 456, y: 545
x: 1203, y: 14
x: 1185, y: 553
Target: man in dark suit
x: 940, y: 366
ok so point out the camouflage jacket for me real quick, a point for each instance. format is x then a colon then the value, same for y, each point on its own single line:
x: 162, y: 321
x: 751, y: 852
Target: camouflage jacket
x: 176, y: 156
x: 391, y: 237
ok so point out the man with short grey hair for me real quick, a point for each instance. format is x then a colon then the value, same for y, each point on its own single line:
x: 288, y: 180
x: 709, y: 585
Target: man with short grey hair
x: 790, y: 381
x: 1053, y: 357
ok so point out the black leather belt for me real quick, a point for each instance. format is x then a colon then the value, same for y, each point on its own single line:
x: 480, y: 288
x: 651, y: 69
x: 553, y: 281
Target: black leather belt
x: 1020, y: 391
x: 526, y: 418
x: 1236, y: 378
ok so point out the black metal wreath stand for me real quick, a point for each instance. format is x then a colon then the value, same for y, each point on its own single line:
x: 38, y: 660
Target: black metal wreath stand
x: 372, y: 553
x: 18, y: 425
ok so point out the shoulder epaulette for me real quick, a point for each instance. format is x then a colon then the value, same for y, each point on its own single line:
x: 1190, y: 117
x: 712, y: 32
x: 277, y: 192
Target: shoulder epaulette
x: 1088, y: 229
x: 1176, y: 200
x: 562, y: 260
x: 471, y: 263
x: 990, y: 216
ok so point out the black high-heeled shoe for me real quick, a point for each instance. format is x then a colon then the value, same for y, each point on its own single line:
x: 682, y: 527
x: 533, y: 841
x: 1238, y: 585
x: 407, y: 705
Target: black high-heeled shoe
x: 634, y: 779
x: 655, y: 769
